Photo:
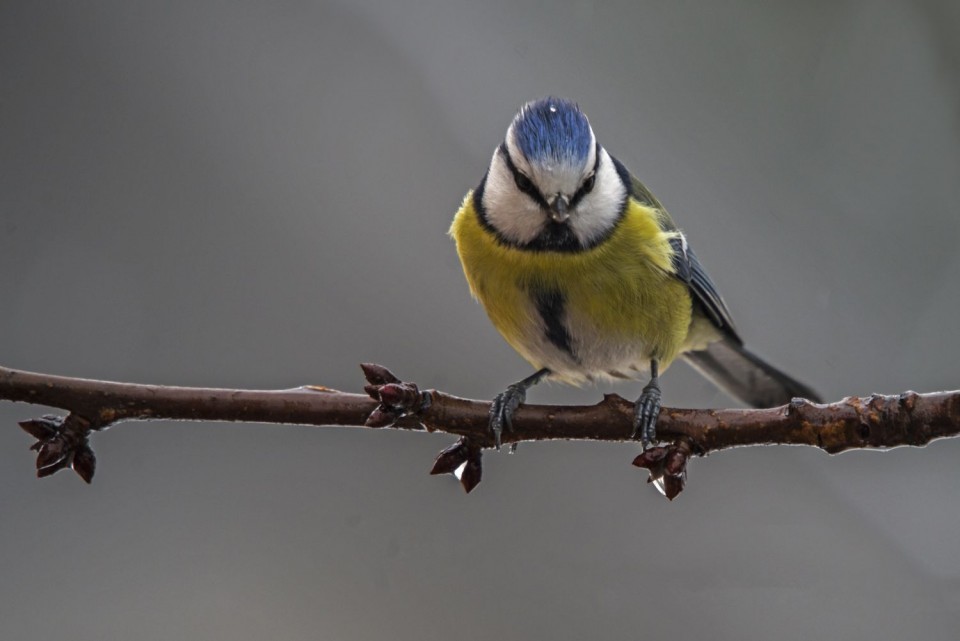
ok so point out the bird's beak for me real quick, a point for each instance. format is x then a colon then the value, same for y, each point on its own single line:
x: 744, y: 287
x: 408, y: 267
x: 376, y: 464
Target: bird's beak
x: 559, y: 208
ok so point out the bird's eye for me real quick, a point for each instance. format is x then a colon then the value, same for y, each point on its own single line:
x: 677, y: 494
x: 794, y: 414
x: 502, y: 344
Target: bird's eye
x: 523, y: 183
x: 587, y: 185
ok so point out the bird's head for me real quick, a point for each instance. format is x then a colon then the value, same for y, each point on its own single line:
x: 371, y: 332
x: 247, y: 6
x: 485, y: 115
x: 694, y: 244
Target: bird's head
x: 550, y: 185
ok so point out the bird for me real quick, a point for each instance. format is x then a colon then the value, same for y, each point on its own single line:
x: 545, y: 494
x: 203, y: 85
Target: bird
x: 584, y: 273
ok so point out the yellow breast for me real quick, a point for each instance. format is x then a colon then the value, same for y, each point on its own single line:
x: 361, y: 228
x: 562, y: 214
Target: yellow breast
x: 622, y: 304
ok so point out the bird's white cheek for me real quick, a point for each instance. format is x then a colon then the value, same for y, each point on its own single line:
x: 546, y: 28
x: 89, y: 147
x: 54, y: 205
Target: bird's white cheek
x: 510, y: 211
x: 599, y: 210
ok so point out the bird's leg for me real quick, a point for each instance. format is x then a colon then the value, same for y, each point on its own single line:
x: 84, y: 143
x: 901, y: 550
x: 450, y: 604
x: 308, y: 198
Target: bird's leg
x: 507, y: 401
x: 647, y: 409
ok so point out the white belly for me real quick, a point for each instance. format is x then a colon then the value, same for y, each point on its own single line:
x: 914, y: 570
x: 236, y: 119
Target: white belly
x: 593, y: 354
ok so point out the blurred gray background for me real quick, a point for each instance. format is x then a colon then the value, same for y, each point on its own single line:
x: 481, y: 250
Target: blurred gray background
x: 257, y: 195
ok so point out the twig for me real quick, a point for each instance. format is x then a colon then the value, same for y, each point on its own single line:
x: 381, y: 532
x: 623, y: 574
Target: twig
x: 852, y: 423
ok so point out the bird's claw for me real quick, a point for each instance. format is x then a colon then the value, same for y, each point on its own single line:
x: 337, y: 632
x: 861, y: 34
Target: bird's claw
x: 502, y: 409
x: 646, y: 413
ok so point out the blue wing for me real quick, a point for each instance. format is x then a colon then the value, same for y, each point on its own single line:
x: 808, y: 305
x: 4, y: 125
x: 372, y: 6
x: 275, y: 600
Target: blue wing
x: 726, y: 361
x: 687, y: 267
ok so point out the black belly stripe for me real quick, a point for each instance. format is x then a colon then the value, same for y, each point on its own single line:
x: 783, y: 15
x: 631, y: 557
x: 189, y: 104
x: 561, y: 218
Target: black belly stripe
x: 550, y: 305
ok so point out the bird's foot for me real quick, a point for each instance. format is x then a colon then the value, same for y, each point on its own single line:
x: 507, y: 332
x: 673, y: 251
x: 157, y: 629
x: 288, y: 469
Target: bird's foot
x: 645, y: 414
x: 503, y: 407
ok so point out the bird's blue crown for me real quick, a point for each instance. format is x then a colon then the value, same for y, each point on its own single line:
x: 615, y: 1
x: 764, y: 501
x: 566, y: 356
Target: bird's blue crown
x: 553, y: 130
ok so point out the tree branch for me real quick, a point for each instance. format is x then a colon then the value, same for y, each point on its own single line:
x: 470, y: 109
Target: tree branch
x: 852, y: 423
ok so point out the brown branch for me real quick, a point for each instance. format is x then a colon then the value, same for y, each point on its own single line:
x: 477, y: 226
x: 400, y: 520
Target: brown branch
x: 855, y: 422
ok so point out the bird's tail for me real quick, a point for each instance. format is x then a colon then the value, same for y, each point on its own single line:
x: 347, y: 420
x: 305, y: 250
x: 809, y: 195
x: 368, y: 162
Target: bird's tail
x: 745, y: 376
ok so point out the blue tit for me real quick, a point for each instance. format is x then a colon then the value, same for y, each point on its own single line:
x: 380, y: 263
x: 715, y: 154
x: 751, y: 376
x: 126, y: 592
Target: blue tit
x: 584, y: 273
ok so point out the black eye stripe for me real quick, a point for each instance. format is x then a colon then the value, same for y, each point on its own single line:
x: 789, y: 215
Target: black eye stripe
x: 524, y: 183
x: 589, y: 183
